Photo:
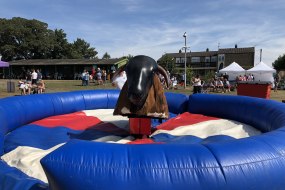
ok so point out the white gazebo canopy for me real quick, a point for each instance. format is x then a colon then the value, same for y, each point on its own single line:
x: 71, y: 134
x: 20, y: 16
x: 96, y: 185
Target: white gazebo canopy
x: 233, y: 67
x: 233, y: 70
x: 262, y: 72
x: 261, y: 68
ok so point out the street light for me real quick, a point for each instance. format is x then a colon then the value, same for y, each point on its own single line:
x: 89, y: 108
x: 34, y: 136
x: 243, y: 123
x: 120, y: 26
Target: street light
x: 185, y: 61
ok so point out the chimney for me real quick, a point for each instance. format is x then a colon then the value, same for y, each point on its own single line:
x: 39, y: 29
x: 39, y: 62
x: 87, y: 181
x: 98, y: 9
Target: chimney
x: 235, y: 45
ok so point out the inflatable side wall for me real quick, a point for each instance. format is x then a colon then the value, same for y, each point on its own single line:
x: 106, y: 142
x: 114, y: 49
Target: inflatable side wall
x: 251, y: 163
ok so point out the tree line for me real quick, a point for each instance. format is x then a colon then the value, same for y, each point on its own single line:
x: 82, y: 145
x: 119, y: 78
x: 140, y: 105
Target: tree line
x: 21, y: 38
x: 279, y: 63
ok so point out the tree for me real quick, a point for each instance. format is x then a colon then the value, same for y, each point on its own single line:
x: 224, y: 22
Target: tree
x: 279, y: 63
x: 209, y: 75
x: 106, y: 56
x: 82, y: 49
x: 24, y: 39
x: 181, y: 71
x: 167, y: 62
x: 189, y: 75
x: 61, y: 48
x: 31, y: 39
x: 129, y: 56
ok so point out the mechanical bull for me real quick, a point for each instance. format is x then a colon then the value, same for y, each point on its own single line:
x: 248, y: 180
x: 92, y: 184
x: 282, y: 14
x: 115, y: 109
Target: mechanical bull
x: 142, y: 95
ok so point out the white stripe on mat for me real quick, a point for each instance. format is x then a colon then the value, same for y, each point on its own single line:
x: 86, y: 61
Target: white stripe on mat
x: 213, y: 127
x: 27, y: 159
x: 106, y: 116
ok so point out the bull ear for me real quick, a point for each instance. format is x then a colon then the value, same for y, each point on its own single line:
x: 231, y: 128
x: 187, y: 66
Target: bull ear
x: 162, y: 71
x: 120, y: 69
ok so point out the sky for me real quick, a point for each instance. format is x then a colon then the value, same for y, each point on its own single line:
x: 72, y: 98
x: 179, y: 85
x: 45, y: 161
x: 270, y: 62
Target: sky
x: 156, y: 27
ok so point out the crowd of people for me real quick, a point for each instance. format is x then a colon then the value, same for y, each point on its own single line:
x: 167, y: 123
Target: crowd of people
x: 216, y: 84
x: 99, y: 76
x: 249, y: 77
x: 220, y: 84
x: 32, y: 83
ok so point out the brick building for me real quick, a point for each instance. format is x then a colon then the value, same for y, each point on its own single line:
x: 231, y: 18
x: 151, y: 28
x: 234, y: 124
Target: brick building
x: 206, y: 61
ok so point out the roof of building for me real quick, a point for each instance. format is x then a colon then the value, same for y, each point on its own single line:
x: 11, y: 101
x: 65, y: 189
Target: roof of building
x: 237, y: 50
x: 68, y: 61
x: 213, y: 53
x: 194, y: 54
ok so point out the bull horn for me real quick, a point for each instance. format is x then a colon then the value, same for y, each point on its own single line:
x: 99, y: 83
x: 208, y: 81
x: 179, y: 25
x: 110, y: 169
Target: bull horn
x: 162, y: 71
x: 120, y: 69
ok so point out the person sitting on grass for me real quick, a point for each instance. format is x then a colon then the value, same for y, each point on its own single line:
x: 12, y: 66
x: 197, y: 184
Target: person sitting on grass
x: 41, y: 86
x: 25, y: 87
x: 213, y: 84
x: 220, y: 85
x: 174, y: 82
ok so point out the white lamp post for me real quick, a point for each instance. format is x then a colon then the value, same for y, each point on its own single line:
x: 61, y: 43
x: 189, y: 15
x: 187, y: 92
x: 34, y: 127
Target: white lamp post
x: 185, y: 61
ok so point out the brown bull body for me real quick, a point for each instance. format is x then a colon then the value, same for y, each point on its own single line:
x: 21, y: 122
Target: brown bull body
x: 155, y: 105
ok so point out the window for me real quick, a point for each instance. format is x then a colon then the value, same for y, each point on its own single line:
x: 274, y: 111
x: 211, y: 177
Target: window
x: 207, y: 59
x: 195, y: 59
x: 221, y: 57
x: 214, y: 59
x: 177, y: 60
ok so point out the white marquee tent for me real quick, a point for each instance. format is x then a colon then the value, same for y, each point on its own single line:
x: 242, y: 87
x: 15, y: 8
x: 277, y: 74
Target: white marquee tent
x: 233, y: 70
x: 262, y: 72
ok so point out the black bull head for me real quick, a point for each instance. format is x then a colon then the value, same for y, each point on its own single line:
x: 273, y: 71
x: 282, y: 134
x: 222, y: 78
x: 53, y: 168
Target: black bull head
x: 140, y: 71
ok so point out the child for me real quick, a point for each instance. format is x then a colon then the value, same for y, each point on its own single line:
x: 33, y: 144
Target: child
x: 41, y: 87
x: 24, y: 87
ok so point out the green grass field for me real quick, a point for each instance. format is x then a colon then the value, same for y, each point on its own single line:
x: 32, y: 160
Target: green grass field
x: 72, y: 85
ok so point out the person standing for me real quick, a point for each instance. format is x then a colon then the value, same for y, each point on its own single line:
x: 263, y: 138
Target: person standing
x: 120, y: 80
x: 104, y: 75
x: 28, y: 76
x: 40, y: 76
x: 276, y: 82
x: 83, y: 78
x: 226, y: 76
x: 182, y: 80
x: 34, y: 77
x: 99, y: 76
x: 197, y: 85
x: 86, y: 78
x: 227, y: 85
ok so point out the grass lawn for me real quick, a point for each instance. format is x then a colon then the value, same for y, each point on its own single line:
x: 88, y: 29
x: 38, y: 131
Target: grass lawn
x: 71, y: 85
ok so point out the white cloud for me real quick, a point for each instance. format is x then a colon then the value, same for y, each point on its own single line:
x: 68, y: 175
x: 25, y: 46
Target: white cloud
x: 129, y: 5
